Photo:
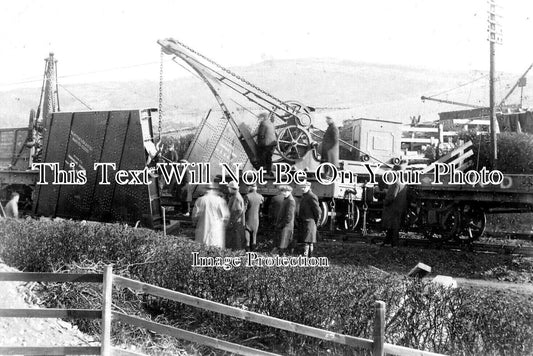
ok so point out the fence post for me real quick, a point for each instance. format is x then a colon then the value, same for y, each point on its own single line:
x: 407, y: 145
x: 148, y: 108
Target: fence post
x: 379, y: 329
x: 164, y: 221
x: 106, y: 311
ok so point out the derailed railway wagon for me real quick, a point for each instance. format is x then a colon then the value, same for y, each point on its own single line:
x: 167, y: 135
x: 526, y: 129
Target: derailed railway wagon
x: 101, y: 144
x: 66, y: 178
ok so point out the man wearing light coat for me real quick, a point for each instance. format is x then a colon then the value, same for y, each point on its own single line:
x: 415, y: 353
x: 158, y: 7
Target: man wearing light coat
x: 210, y: 214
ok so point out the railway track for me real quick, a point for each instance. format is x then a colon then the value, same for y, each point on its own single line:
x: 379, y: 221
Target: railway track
x: 478, y: 247
x: 354, y: 237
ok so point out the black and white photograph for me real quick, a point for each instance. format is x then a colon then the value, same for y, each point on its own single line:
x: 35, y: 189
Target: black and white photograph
x: 266, y: 178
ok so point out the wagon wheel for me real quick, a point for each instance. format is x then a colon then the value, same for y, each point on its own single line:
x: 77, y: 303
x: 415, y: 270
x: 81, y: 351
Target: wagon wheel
x: 324, y: 214
x: 411, y: 217
x: 293, y: 143
x: 297, y: 110
x: 450, y: 224
x: 422, y: 220
x: 474, y: 221
x: 351, y: 219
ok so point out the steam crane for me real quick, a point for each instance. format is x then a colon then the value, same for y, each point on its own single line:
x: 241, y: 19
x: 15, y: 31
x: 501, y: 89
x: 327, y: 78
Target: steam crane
x: 292, y: 119
x: 341, y: 201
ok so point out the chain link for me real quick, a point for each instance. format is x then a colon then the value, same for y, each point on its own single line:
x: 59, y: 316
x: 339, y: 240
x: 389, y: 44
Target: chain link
x: 160, y: 108
x: 235, y: 75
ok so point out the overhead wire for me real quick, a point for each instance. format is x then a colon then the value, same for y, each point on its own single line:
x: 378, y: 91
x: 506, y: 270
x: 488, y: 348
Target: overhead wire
x: 459, y: 86
x: 75, y: 97
x: 78, y: 74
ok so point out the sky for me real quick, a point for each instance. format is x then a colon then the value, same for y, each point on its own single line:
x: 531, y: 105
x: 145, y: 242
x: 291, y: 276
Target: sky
x: 116, y: 40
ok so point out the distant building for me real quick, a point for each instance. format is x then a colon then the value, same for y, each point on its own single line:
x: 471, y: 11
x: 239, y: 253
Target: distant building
x: 512, y: 119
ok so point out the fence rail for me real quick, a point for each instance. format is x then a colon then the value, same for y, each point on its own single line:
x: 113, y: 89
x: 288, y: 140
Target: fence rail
x: 377, y: 345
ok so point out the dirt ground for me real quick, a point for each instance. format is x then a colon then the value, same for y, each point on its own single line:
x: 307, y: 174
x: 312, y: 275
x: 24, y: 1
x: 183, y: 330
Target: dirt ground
x: 29, y: 331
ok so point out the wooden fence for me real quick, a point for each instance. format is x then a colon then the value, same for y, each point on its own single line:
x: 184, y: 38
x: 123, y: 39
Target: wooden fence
x: 377, y: 346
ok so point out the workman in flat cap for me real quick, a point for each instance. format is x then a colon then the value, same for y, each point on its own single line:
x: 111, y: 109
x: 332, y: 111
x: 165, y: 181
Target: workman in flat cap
x: 266, y: 141
x: 253, y: 202
x: 308, y: 214
x: 235, y: 227
x: 285, y: 220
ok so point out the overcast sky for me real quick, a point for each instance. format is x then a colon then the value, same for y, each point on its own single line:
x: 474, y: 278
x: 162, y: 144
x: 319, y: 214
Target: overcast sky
x: 116, y: 40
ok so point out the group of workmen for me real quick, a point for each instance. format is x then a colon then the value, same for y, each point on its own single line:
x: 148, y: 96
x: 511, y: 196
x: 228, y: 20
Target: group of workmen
x: 234, y: 223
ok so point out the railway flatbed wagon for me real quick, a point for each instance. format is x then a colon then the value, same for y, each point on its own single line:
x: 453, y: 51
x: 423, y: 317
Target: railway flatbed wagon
x: 448, y: 209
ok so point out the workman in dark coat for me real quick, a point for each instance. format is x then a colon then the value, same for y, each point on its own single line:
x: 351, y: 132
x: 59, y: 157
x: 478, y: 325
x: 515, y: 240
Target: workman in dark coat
x: 171, y: 155
x: 330, y: 144
x: 266, y: 141
x: 285, y: 220
x: 252, y: 202
x: 235, y: 227
x: 394, y: 207
x: 274, y: 205
x: 309, y: 213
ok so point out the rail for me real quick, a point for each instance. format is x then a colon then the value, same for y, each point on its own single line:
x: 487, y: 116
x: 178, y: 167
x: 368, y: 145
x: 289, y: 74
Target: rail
x: 377, y: 346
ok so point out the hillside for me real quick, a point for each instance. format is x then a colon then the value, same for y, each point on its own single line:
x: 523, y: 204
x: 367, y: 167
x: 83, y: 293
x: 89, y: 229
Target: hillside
x: 342, y: 88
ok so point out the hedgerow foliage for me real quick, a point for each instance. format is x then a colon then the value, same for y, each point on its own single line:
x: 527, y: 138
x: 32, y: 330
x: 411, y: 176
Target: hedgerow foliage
x: 340, y: 299
x: 515, y: 151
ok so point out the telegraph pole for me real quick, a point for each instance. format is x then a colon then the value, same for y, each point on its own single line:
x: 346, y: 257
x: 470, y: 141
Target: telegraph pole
x: 494, y: 38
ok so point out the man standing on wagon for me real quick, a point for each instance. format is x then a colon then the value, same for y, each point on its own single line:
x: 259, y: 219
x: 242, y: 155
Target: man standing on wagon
x: 330, y: 145
x: 266, y: 142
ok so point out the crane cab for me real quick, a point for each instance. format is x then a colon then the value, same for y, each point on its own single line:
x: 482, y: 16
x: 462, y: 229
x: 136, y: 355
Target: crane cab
x: 378, y: 138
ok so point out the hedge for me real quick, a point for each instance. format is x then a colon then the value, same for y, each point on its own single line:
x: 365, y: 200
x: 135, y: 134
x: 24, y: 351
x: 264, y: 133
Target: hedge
x: 515, y: 151
x: 419, y: 315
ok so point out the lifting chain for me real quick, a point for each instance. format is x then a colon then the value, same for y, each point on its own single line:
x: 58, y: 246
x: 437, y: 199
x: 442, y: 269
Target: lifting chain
x: 160, y: 108
x: 235, y: 75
